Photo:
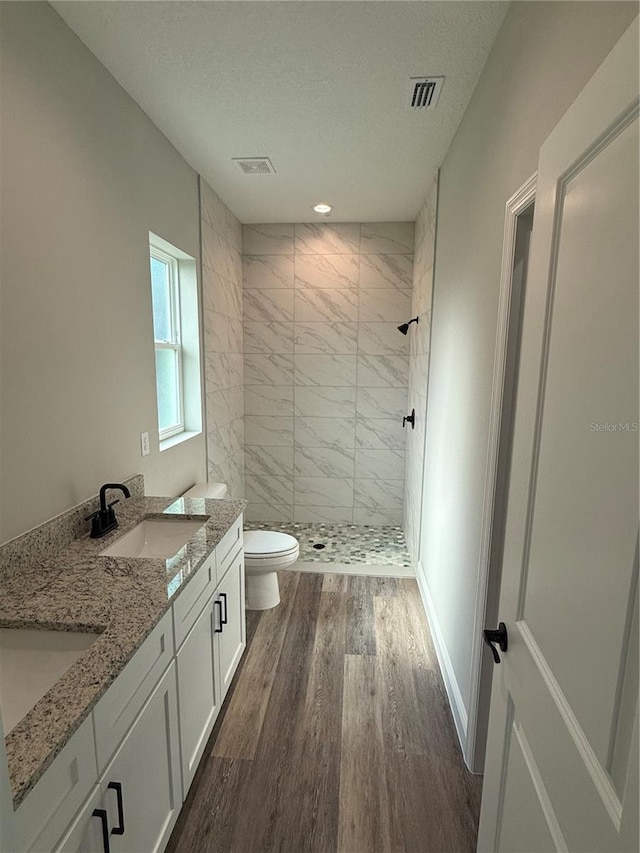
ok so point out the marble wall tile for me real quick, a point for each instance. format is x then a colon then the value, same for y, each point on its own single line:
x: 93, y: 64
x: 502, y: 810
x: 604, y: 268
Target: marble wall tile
x: 326, y: 338
x: 384, y: 305
x: 273, y: 369
x: 325, y: 402
x: 328, y: 514
x: 324, y: 462
x: 386, y: 237
x: 267, y: 271
x: 236, y: 335
x: 386, y: 271
x: 268, y: 239
x: 270, y: 490
x: 378, y: 517
x: 325, y: 304
x: 325, y: 369
x: 379, y: 433
x: 381, y: 339
x: 268, y: 430
x: 372, y: 464
x: 232, y: 436
x: 268, y: 512
x: 235, y: 306
x: 269, y: 461
x: 346, y: 347
x: 323, y: 491
x: 213, y: 209
x: 235, y: 368
x: 378, y: 371
x: 235, y: 398
x: 216, y: 332
x: 379, y: 493
x: 325, y: 432
x: 381, y: 402
x: 218, y: 255
x: 270, y: 306
x: 218, y: 410
x: 215, y: 292
x: 268, y: 337
x: 324, y: 238
x: 268, y: 400
x: 216, y: 451
x: 326, y: 271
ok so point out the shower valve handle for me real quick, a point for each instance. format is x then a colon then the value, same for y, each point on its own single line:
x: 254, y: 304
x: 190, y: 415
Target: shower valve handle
x: 410, y: 419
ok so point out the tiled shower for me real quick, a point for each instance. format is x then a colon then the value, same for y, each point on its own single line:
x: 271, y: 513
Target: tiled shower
x: 326, y: 370
x: 307, y: 375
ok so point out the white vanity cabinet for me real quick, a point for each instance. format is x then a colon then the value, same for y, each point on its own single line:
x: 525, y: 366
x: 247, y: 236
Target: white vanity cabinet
x: 231, y: 631
x: 138, y: 797
x: 208, y: 657
x: 198, y: 692
x: 129, y: 766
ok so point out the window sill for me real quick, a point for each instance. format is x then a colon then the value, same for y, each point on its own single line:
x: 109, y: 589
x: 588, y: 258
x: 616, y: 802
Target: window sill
x: 168, y: 443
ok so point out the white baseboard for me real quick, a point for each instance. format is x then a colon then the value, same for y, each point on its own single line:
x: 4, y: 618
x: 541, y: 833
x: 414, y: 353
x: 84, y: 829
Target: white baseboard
x: 458, y: 709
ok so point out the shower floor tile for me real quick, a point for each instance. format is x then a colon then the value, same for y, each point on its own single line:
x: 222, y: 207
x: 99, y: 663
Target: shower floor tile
x: 350, y: 544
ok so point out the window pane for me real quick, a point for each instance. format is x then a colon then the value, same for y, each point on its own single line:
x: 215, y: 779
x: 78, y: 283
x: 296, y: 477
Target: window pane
x: 167, y: 387
x: 161, y: 297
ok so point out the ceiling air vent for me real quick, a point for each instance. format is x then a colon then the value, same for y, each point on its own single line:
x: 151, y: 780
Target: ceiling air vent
x: 255, y: 165
x: 424, y: 92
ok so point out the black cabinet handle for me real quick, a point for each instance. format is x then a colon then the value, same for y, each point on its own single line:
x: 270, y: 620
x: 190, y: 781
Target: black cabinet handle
x: 117, y: 787
x: 218, y: 604
x: 224, y: 618
x: 500, y: 637
x: 102, y: 814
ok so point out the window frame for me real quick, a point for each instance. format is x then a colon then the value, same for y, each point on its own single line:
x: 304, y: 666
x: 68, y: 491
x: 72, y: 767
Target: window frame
x: 175, y: 343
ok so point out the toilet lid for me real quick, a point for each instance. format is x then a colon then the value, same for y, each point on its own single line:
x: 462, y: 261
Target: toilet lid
x: 268, y: 543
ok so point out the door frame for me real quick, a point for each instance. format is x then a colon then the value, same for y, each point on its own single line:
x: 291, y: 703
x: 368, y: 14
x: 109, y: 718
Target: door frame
x: 488, y: 575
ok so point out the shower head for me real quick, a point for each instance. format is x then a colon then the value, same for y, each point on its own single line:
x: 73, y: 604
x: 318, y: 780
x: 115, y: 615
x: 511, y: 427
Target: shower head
x: 404, y: 328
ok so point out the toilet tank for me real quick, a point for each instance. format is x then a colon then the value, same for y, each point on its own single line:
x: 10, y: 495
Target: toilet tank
x: 206, y: 490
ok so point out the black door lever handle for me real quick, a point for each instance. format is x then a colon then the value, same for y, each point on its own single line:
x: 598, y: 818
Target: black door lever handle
x: 491, y: 637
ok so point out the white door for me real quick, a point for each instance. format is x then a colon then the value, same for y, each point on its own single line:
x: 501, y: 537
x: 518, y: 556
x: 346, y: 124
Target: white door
x: 562, y: 758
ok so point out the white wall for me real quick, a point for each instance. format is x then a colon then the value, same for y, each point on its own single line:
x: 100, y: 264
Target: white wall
x: 85, y: 177
x: 542, y: 58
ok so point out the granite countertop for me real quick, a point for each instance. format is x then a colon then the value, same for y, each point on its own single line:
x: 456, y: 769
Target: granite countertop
x: 119, y: 598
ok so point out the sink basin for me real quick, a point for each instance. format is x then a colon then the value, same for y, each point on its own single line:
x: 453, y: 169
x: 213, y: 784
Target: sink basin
x: 154, y: 537
x: 31, y: 661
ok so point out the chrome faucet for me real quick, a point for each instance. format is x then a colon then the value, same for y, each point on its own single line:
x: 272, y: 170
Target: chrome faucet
x: 104, y: 520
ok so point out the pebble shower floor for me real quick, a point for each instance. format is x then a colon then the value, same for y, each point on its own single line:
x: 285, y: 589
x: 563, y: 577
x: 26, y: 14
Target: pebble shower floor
x: 344, y: 543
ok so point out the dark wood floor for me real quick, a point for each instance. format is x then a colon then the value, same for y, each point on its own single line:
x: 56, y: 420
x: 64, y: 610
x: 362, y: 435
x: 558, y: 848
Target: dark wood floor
x: 337, y: 735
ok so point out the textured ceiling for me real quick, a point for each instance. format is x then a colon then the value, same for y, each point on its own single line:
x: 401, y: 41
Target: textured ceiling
x: 319, y: 87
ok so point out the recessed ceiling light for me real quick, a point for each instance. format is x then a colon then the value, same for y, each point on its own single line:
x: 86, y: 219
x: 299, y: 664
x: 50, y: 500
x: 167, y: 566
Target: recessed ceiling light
x: 323, y: 208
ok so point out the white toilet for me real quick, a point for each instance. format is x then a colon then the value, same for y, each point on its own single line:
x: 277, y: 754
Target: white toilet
x: 266, y: 552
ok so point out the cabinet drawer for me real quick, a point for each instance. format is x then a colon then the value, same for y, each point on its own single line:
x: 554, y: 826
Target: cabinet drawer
x: 189, y: 604
x: 118, y: 708
x: 227, y: 548
x: 49, y: 808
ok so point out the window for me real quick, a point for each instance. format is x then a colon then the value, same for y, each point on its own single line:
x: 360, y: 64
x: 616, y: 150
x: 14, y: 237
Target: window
x: 165, y: 292
x: 176, y: 340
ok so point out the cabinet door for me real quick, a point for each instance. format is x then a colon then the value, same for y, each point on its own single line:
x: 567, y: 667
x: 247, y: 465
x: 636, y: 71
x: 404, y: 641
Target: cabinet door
x: 86, y: 834
x: 141, y: 788
x: 198, y: 699
x: 229, y: 616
